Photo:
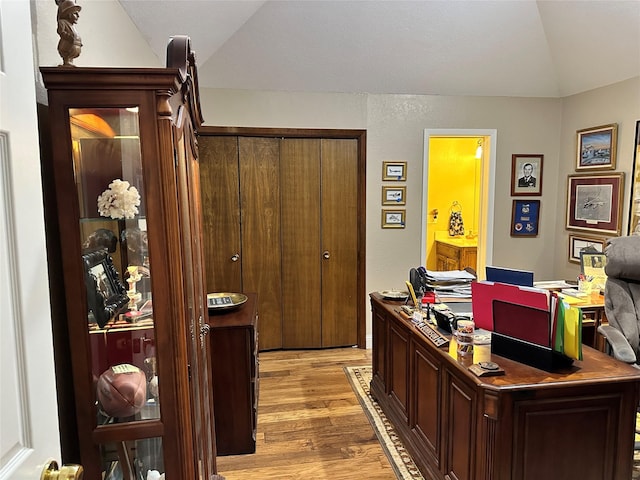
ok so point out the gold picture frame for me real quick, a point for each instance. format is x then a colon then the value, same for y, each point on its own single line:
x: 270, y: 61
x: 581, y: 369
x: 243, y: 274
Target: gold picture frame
x: 634, y: 205
x: 594, y: 203
x: 394, y: 171
x: 394, y: 195
x: 596, y: 149
x: 393, y: 218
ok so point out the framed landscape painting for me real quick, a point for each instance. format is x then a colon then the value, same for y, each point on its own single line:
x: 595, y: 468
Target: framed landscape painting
x: 596, y: 148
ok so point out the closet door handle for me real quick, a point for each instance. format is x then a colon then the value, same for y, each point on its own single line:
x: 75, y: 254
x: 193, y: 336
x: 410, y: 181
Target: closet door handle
x: 235, y: 257
x: 326, y: 255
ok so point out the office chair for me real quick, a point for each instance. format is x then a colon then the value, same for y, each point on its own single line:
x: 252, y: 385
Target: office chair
x: 622, y: 301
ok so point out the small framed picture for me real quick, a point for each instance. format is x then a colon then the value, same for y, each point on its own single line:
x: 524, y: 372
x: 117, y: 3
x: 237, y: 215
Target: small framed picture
x: 526, y: 175
x: 596, y: 148
x: 594, y: 203
x: 525, y: 215
x: 106, y: 294
x: 393, y: 218
x: 579, y: 244
x: 396, y: 171
x: 592, y: 267
x: 394, y: 195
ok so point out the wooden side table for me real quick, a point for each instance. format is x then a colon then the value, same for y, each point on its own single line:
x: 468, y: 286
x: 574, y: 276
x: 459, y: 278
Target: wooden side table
x: 234, y: 375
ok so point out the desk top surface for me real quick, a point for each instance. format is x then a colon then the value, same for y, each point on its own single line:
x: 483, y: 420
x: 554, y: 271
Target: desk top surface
x: 595, y: 366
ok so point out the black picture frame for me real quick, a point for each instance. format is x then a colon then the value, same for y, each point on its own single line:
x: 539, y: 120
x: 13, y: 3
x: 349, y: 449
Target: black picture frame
x: 525, y: 217
x: 106, y: 295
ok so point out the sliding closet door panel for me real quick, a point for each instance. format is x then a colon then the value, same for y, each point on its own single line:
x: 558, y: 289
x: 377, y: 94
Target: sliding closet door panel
x: 301, y: 251
x: 260, y: 231
x: 339, y: 223
x: 221, y: 213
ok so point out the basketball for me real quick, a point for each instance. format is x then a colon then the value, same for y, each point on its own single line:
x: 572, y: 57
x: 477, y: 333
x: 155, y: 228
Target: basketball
x: 122, y: 390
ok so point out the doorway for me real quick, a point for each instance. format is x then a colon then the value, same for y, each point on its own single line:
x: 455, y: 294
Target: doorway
x: 477, y: 148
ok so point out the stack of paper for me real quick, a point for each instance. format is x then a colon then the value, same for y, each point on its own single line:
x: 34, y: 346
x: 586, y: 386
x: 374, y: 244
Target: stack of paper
x: 452, y: 283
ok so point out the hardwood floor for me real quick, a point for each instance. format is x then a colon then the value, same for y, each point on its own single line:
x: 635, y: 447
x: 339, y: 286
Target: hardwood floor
x: 310, y: 424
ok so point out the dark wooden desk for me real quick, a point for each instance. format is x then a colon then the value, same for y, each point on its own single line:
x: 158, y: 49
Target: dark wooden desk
x: 576, y: 424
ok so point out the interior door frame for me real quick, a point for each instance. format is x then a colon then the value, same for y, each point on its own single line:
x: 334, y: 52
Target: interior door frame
x: 361, y: 137
x: 487, y: 190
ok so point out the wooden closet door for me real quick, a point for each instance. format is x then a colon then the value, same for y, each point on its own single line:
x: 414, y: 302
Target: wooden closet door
x: 260, y: 232
x: 339, y: 223
x: 301, y: 250
x: 219, y: 179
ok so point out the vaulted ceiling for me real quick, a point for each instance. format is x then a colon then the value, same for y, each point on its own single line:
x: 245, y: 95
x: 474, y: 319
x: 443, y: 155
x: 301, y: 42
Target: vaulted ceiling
x: 544, y: 48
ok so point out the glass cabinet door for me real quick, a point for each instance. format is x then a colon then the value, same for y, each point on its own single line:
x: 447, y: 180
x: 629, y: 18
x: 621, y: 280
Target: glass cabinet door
x: 110, y: 186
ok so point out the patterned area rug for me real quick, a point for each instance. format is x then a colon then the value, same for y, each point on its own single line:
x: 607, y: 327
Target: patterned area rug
x: 399, y: 458
x: 403, y: 466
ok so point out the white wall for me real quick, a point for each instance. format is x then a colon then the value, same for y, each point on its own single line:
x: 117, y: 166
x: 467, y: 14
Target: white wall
x: 618, y: 103
x: 244, y: 108
x: 109, y: 37
x: 395, y: 132
x: 395, y: 125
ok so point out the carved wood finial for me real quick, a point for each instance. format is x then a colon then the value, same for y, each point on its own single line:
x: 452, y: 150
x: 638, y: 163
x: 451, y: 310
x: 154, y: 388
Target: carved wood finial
x: 70, y: 42
x: 180, y: 56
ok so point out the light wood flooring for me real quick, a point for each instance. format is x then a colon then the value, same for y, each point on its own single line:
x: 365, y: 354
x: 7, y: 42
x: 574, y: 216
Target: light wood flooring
x: 310, y: 424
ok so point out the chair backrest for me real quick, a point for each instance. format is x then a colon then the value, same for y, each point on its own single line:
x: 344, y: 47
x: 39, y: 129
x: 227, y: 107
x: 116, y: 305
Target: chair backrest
x: 622, y: 289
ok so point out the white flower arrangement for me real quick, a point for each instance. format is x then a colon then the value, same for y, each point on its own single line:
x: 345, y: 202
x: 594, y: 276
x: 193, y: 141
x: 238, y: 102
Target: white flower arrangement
x: 120, y: 200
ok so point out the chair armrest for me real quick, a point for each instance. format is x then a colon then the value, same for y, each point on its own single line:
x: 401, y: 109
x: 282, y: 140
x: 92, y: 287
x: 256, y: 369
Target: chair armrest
x: 621, y: 349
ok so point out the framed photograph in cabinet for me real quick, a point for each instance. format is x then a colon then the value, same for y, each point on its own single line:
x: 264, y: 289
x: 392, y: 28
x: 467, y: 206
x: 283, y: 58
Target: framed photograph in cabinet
x: 596, y: 148
x: 394, y: 171
x: 526, y: 175
x: 578, y: 244
x: 106, y: 295
x: 525, y: 215
x: 634, y: 207
x: 393, y: 218
x: 594, y: 203
x: 394, y: 195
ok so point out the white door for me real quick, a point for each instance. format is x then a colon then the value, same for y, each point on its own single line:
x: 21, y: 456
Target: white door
x: 28, y: 407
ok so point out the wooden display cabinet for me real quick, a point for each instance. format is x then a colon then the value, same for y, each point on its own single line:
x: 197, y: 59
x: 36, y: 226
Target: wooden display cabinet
x: 132, y: 267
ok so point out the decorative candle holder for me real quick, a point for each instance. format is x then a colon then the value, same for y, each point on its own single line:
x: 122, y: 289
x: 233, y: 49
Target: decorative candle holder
x: 133, y: 294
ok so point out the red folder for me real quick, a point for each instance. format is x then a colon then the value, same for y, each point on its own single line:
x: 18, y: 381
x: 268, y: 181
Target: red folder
x: 522, y: 322
x: 484, y: 293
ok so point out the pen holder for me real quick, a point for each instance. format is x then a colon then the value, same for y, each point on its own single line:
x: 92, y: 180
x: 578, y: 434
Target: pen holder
x: 585, y: 286
x: 464, y: 337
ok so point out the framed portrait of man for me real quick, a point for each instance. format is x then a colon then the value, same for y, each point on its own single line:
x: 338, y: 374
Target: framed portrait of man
x: 526, y: 175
